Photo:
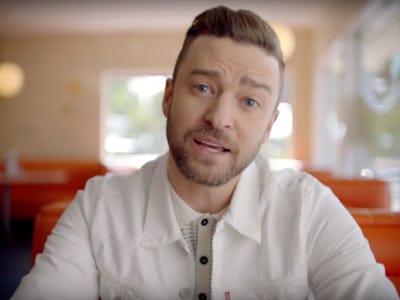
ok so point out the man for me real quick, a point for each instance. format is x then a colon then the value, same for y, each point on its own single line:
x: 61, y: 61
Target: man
x: 209, y: 220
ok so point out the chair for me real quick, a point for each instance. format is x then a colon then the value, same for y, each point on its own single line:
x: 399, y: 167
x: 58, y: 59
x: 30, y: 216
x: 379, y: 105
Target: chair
x: 45, y: 220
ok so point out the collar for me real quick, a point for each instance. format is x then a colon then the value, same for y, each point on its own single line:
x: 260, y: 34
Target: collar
x: 184, y: 213
x: 160, y: 223
x: 244, y: 213
x: 161, y: 226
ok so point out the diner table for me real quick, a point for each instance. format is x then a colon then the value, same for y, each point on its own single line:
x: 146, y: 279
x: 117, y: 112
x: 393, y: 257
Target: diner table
x: 25, y: 177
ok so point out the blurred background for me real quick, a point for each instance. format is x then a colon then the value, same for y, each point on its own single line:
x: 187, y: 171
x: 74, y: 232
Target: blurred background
x: 94, y: 74
x: 83, y: 80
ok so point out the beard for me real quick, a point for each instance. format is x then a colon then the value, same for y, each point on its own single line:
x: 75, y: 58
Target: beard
x: 202, y: 170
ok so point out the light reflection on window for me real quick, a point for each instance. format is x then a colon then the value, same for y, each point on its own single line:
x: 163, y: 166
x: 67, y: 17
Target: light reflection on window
x: 279, y: 143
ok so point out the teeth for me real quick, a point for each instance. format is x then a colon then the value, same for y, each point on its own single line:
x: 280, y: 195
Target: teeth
x: 211, y: 145
x: 213, y: 148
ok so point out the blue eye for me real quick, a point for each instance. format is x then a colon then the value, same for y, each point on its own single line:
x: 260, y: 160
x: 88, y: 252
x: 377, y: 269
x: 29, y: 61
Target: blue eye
x: 250, y: 102
x: 202, y: 88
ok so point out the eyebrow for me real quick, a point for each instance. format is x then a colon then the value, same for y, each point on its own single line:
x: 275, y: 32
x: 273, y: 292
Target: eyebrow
x: 211, y: 73
x: 243, y: 81
x: 253, y: 83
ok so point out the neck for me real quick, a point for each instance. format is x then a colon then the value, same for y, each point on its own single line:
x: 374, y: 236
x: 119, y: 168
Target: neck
x: 201, y: 198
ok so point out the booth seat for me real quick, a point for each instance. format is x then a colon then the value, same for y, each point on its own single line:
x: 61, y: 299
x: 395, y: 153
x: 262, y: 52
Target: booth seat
x: 382, y: 230
x: 380, y: 227
x: 357, y: 192
x: 27, y: 198
x: 360, y: 192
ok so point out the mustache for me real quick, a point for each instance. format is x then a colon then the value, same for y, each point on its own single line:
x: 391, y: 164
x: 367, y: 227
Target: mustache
x: 217, y: 134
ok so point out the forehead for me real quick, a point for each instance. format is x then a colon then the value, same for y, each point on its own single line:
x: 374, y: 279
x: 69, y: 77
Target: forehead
x: 228, y: 56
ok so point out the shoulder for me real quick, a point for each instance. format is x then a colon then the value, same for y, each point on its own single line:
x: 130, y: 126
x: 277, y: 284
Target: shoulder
x: 287, y: 181
x: 292, y: 182
x: 118, y: 191
x: 116, y: 183
x: 292, y: 190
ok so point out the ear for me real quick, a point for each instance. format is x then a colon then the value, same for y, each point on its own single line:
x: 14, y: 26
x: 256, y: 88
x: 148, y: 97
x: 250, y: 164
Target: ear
x: 167, y: 97
x: 271, y: 123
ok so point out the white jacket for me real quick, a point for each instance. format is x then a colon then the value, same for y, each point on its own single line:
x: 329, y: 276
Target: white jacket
x: 284, y: 236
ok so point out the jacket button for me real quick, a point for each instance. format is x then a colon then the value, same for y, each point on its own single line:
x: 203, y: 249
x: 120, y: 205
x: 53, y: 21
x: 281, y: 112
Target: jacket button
x: 204, y: 222
x: 202, y: 296
x: 203, y: 260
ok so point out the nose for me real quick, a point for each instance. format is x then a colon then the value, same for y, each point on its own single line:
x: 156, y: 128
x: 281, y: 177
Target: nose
x: 219, y: 113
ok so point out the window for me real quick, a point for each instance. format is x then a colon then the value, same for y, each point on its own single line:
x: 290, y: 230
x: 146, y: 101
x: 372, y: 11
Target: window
x: 379, y: 103
x: 133, y: 129
x: 362, y: 87
x: 279, y: 142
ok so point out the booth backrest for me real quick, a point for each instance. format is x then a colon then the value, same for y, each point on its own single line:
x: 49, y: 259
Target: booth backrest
x: 360, y: 193
x: 382, y: 230
x: 318, y: 173
x: 44, y: 222
x: 78, y: 171
x: 26, y: 199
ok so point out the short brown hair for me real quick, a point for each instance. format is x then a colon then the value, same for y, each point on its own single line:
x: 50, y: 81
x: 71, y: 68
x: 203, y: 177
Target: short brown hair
x: 243, y: 26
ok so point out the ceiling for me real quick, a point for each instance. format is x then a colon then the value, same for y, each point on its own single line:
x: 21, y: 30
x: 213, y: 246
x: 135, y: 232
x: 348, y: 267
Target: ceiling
x: 47, y: 16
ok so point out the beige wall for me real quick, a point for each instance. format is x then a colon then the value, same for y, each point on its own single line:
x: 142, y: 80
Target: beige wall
x: 312, y: 43
x: 302, y: 71
x: 58, y: 112
x: 335, y: 20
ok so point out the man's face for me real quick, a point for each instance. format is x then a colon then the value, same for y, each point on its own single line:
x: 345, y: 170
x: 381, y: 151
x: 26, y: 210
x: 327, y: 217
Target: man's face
x: 220, y: 108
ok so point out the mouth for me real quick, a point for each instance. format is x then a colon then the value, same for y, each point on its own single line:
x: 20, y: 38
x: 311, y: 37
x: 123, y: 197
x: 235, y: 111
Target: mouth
x: 210, y: 146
